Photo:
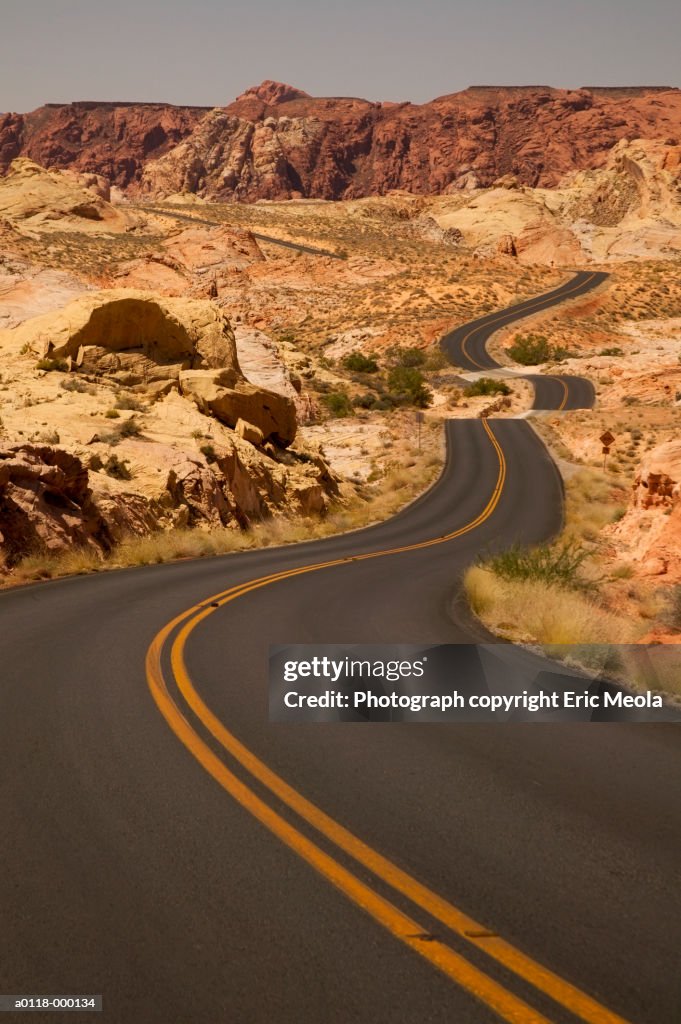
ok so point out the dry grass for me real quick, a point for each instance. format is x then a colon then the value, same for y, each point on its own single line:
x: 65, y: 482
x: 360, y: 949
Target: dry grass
x: 535, y: 612
x: 397, y: 488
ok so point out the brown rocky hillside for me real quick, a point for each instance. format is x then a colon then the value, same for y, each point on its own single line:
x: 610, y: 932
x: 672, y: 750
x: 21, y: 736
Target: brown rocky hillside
x: 276, y: 142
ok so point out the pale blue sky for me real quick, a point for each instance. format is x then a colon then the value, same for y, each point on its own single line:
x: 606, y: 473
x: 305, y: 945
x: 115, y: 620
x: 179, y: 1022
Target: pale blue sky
x: 206, y: 51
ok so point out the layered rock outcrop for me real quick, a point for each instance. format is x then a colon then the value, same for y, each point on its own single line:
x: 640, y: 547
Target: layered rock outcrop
x: 650, y: 532
x: 46, y: 503
x: 276, y: 142
x: 111, y: 139
x: 347, y: 148
x: 33, y: 198
x: 136, y: 338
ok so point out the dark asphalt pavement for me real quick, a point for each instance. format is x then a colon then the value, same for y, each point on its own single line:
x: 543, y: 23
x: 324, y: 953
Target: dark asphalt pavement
x: 128, y: 871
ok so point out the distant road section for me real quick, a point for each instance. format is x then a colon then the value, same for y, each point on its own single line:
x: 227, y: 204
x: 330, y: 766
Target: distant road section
x: 297, y: 246
x: 466, y: 346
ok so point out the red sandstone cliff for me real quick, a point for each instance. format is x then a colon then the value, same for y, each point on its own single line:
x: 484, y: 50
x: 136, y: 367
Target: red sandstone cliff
x: 275, y: 141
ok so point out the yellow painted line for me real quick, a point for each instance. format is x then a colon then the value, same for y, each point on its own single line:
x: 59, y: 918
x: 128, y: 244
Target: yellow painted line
x: 566, y: 392
x: 507, y: 1006
x: 477, y: 983
x: 506, y: 315
x: 565, y: 396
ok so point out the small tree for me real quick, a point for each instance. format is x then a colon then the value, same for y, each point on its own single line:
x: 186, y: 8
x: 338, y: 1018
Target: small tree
x: 530, y: 349
x: 409, y: 386
x: 357, y: 362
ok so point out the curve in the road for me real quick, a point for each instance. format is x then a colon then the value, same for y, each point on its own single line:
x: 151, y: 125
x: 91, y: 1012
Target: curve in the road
x: 127, y: 872
x: 505, y: 1003
x: 466, y: 346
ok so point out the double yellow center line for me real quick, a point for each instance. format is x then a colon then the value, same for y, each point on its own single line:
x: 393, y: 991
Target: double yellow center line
x: 510, y: 316
x: 401, y: 925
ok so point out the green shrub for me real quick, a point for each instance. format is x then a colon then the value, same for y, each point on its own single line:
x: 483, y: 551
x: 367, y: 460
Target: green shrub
x: 112, y: 414
x: 530, y: 349
x: 366, y: 401
x: 359, y: 363
x: 129, y: 428
x: 553, y: 565
x: 614, y: 351
x: 408, y: 357
x: 337, y: 403
x: 52, y: 364
x: 408, y: 385
x: 487, y: 386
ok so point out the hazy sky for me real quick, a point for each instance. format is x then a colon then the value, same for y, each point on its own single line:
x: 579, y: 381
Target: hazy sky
x: 207, y: 51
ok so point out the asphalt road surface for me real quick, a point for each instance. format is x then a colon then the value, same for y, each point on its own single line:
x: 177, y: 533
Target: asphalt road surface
x: 270, y: 239
x: 466, y: 345
x: 166, y: 847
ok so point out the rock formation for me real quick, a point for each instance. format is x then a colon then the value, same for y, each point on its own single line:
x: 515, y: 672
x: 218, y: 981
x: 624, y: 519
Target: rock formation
x: 135, y: 338
x: 649, y: 535
x: 277, y: 142
x: 111, y: 139
x: 345, y: 148
x: 35, y: 199
x: 46, y: 503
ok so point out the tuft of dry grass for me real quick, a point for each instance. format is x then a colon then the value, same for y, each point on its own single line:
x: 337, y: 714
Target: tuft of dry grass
x: 537, y: 612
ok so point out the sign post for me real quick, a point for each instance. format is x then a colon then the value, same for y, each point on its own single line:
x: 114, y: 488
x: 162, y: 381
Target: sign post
x: 419, y: 419
x: 606, y: 440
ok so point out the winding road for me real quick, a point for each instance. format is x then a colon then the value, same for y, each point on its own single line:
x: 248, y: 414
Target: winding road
x: 165, y: 846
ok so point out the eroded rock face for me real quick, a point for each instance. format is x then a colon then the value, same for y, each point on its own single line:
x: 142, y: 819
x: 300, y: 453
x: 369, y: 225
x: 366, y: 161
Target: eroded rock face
x: 110, y: 139
x: 230, y: 400
x: 658, y: 481
x: 46, y: 503
x: 649, y: 535
x: 267, y: 145
x: 135, y: 337
x: 34, y: 199
x: 50, y: 501
x: 276, y: 142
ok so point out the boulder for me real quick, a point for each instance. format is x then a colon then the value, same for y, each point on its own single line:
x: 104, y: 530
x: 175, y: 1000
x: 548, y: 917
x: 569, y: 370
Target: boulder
x: 231, y: 399
x: 249, y: 432
x: 151, y: 337
x: 195, y: 486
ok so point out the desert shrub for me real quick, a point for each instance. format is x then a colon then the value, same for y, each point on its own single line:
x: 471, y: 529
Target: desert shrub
x: 548, y: 614
x: 408, y: 357
x: 52, y: 364
x: 112, y: 414
x: 436, y: 360
x: 530, y: 349
x: 73, y: 384
x: 409, y: 387
x: 487, y: 386
x: 117, y: 468
x: 337, y: 403
x: 614, y: 351
x: 557, y: 566
x: 359, y: 363
x: 129, y: 402
x: 129, y: 428
x: 366, y: 401
x: 559, y: 352
x: 209, y: 453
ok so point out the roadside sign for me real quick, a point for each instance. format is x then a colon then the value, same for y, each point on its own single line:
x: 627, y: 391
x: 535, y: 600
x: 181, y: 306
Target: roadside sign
x: 607, y: 438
